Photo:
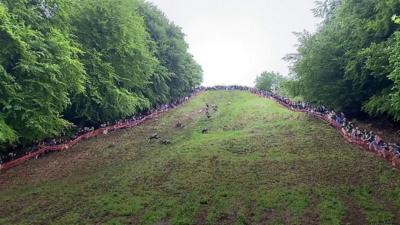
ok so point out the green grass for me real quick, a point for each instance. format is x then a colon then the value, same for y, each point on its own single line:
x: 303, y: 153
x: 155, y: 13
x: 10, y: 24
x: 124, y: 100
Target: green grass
x: 375, y: 211
x: 259, y: 164
x: 331, y: 209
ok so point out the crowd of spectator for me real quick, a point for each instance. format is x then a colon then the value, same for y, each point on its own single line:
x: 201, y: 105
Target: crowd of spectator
x: 230, y: 88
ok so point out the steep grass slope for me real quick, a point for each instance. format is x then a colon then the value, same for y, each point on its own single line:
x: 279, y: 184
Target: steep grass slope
x: 259, y: 164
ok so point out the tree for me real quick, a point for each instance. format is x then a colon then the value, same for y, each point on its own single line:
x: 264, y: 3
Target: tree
x: 65, y: 62
x: 176, y: 66
x: 326, y: 9
x: 39, y: 69
x: 391, y: 102
x: 396, y: 19
x: 116, y: 58
x: 269, y: 81
x: 345, y: 65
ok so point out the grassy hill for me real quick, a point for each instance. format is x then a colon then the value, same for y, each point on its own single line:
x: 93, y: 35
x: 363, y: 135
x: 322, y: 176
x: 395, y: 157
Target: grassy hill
x: 259, y: 164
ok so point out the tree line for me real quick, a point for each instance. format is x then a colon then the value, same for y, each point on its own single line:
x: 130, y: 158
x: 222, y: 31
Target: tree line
x: 352, y: 63
x: 84, y: 62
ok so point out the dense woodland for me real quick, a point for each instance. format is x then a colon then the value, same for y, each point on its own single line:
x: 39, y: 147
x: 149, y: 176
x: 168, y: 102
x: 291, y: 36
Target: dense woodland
x: 352, y: 63
x: 65, y: 62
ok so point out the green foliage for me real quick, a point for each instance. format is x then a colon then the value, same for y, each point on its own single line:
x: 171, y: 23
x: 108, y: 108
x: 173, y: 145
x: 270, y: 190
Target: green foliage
x: 117, y: 61
x: 7, y: 135
x: 39, y: 70
x: 265, y: 81
x: 269, y: 81
x: 394, y: 96
x: 290, y: 88
x: 325, y: 9
x: 350, y: 63
x: 70, y: 61
x: 177, y: 72
x: 396, y: 19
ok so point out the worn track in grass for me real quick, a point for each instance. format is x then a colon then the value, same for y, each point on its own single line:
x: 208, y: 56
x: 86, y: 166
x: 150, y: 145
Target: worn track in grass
x: 259, y: 164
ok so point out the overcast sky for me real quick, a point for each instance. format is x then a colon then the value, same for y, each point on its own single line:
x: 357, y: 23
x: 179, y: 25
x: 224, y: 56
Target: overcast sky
x: 235, y: 40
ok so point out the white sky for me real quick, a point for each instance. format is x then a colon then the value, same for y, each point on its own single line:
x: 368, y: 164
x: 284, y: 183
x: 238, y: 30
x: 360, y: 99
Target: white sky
x: 235, y: 40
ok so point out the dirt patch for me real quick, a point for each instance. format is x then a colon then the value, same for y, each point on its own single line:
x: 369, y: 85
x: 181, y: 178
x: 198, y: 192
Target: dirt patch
x: 201, y: 218
x: 354, y: 214
x: 311, y: 214
x: 390, y: 207
x: 76, y: 162
x: 163, y: 223
x: 49, y: 167
x: 226, y: 218
x: 267, y: 216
